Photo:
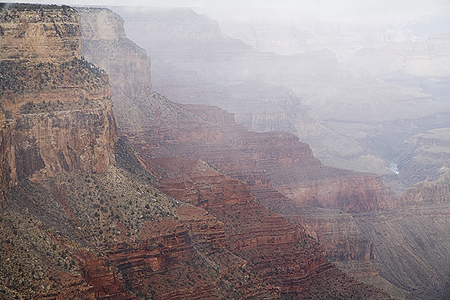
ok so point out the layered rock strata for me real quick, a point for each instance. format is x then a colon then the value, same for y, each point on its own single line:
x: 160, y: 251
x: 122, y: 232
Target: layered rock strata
x: 39, y: 33
x: 56, y: 106
x: 426, y: 158
x: 256, y: 158
x: 162, y: 129
x: 104, y: 43
x: 75, y: 226
x: 279, y: 252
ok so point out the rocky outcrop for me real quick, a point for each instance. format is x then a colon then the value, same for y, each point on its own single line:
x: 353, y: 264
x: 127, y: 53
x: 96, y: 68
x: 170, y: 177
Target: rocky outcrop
x: 161, y: 129
x: 56, y: 118
x: 39, y: 33
x: 46, y: 144
x: 104, y: 43
x: 56, y: 106
x: 426, y: 158
x: 427, y: 193
x: 356, y: 121
x: 357, y: 193
x: 411, y: 248
x: 340, y: 236
x: 76, y: 227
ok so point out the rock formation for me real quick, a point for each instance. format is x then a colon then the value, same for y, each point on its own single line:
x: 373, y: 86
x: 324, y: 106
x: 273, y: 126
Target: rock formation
x: 200, y: 209
x: 165, y: 130
x: 73, y: 225
x: 56, y: 107
x: 104, y: 43
x: 352, y: 116
x: 83, y: 219
x: 375, y: 234
x: 426, y: 158
x: 40, y: 33
x: 299, y: 267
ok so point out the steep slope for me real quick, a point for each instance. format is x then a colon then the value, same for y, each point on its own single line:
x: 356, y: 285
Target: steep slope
x: 355, y: 118
x: 166, y: 130
x: 275, y: 157
x: 426, y: 158
x: 280, y: 252
x: 104, y: 42
x: 51, y: 99
x: 74, y: 225
x: 413, y: 259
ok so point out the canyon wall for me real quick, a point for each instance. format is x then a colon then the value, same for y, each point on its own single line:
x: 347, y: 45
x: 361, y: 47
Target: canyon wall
x: 57, y: 109
x: 364, y: 230
x: 40, y: 33
x: 105, y: 44
x: 162, y: 131
x: 299, y: 267
x: 426, y: 158
x: 73, y: 225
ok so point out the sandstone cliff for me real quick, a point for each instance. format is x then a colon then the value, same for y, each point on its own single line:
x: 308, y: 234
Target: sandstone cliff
x: 104, y: 43
x: 57, y: 108
x: 39, y: 33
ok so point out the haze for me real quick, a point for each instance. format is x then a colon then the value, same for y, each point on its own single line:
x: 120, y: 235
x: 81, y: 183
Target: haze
x: 326, y: 10
x: 333, y: 114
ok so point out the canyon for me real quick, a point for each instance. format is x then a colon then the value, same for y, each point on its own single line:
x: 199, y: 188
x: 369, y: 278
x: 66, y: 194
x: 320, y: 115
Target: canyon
x: 356, y: 114
x: 112, y: 191
x: 165, y: 130
x: 83, y: 217
x: 294, y: 183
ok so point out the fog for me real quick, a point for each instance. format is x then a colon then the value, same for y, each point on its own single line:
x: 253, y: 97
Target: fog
x: 384, y: 11
x: 356, y: 80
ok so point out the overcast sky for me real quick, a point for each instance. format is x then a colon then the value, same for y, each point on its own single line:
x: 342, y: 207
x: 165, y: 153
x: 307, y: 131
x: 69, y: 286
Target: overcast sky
x: 325, y: 10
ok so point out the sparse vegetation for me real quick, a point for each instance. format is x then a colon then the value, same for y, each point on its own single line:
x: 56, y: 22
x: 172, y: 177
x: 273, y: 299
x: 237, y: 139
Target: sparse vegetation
x: 23, y: 77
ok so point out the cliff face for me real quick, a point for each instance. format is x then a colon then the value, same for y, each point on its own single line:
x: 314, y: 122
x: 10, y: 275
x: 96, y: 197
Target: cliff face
x: 426, y: 158
x: 273, y: 159
x: 162, y: 129
x: 411, y: 248
x: 427, y: 193
x: 105, y: 44
x: 39, y: 33
x: 56, y: 107
x: 75, y: 226
x: 279, y: 252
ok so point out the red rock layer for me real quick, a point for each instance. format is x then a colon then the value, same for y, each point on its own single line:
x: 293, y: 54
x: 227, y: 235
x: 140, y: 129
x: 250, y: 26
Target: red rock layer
x: 278, y: 251
x: 99, y: 273
x: 336, y: 231
x: 274, y: 159
x: 187, y: 259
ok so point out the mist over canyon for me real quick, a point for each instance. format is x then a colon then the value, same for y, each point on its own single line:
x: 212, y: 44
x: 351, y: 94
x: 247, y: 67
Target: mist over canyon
x: 156, y: 153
